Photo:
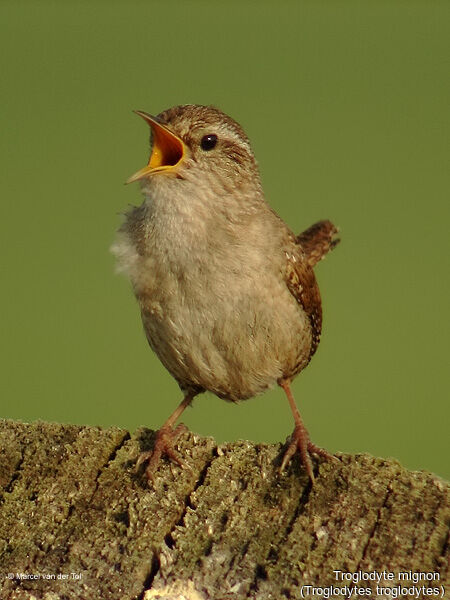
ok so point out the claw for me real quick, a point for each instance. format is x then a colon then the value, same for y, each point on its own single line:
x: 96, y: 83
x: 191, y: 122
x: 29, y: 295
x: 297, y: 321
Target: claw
x: 300, y: 442
x: 165, y: 440
x: 300, y: 438
x: 163, y: 446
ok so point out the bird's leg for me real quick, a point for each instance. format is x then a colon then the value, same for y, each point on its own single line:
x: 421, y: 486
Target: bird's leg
x: 166, y: 437
x: 300, y: 437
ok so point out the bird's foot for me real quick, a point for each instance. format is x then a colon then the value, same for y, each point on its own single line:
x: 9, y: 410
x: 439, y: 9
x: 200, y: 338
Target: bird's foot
x: 300, y: 442
x: 165, y: 440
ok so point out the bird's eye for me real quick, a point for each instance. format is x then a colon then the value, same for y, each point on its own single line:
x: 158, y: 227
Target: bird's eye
x: 208, y: 141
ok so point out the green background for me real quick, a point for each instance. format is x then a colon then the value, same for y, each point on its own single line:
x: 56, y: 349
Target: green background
x: 347, y: 106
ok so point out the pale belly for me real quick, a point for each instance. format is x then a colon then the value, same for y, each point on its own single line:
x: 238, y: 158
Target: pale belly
x: 215, y: 308
x: 235, y: 341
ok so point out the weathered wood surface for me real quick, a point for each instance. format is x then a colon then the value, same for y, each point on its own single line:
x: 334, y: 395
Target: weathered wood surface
x: 75, y: 516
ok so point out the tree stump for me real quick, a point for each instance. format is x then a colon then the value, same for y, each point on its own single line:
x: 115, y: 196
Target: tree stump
x: 78, y: 522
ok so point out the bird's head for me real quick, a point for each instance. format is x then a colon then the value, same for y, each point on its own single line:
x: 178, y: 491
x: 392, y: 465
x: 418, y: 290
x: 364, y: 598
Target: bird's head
x: 199, y: 144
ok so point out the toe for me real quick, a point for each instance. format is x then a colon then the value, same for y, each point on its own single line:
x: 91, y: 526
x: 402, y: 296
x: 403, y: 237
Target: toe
x: 163, y: 446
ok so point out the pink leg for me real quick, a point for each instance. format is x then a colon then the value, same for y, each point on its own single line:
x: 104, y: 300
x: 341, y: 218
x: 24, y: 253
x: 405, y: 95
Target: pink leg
x: 300, y: 438
x: 165, y: 440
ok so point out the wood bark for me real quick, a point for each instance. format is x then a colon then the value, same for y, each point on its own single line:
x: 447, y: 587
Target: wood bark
x: 78, y: 522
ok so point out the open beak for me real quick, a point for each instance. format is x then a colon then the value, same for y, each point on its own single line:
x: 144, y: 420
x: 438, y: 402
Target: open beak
x: 167, y: 149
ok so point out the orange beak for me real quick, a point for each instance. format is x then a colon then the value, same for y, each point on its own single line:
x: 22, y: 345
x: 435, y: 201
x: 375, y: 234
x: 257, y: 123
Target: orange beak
x: 167, y: 150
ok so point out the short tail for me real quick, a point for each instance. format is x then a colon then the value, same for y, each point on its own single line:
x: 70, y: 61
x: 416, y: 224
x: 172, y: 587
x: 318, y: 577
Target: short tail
x: 318, y: 240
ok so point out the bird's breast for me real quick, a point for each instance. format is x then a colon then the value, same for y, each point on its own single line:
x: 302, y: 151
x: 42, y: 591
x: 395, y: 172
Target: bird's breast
x: 215, y: 306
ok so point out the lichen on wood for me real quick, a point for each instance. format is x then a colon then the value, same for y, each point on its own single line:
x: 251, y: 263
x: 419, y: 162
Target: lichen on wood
x: 77, y: 521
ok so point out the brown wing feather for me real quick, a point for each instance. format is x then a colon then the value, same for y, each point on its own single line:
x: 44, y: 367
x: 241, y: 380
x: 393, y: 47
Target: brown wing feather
x: 307, y: 249
x: 302, y: 284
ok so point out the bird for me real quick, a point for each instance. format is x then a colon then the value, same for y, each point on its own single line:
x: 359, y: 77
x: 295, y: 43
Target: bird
x: 227, y: 292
